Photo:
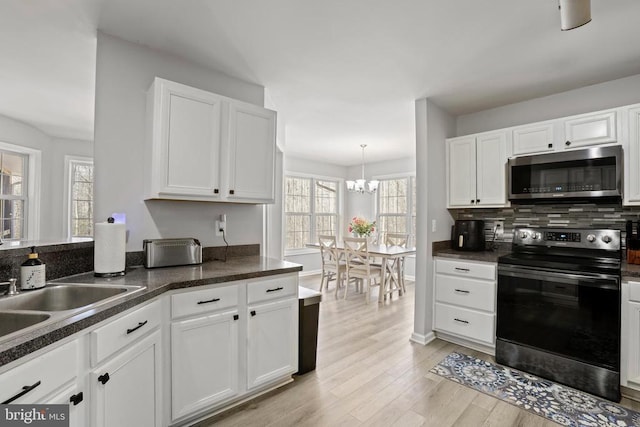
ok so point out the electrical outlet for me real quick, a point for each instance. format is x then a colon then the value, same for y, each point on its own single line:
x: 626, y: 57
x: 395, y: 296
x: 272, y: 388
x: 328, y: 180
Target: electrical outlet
x: 500, y: 229
x: 221, y: 225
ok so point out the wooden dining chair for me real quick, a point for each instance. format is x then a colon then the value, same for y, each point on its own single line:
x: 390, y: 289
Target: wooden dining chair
x: 401, y: 240
x: 333, y: 265
x: 360, y: 266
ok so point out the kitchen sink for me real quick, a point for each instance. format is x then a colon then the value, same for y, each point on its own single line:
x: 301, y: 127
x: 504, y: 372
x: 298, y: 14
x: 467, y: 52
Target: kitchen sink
x: 12, y: 322
x: 61, y: 297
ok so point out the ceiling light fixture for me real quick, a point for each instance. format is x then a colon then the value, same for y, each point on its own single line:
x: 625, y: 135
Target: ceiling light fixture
x: 574, y: 13
x: 361, y: 185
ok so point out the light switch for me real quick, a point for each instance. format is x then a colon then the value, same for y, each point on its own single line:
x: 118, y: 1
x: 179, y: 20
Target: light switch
x: 433, y: 225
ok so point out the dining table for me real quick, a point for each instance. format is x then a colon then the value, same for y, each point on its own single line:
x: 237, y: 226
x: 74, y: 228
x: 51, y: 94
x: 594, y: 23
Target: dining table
x: 391, y: 264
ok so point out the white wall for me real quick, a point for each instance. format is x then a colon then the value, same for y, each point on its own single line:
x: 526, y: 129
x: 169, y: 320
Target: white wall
x: 124, y: 72
x: 601, y: 96
x: 433, y: 125
x: 52, y: 172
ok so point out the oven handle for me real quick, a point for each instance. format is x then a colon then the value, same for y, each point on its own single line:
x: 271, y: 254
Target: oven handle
x: 562, y: 277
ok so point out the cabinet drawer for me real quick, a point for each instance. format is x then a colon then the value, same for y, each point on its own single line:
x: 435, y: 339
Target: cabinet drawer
x: 203, y: 300
x: 119, y: 333
x: 44, y: 375
x: 269, y: 289
x: 466, y: 323
x: 471, y: 293
x: 634, y: 291
x: 466, y: 269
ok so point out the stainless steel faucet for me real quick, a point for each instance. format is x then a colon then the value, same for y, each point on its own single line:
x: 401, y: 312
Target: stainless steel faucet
x: 13, y: 289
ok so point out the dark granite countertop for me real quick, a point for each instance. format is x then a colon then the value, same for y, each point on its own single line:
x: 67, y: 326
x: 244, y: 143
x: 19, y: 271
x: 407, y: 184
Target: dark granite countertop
x: 154, y: 282
x: 485, y: 256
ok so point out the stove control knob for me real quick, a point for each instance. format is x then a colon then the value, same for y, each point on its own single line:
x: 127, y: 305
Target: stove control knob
x: 606, y: 239
x: 524, y: 235
x: 535, y: 236
x: 591, y: 238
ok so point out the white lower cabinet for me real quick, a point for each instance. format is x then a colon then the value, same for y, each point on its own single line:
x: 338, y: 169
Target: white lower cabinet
x: 126, y: 389
x: 272, y: 341
x: 630, y: 335
x: 76, y: 399
x: 465, y: 301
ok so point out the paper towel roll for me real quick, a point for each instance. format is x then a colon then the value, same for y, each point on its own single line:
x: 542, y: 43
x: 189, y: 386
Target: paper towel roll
x: 110, y: 244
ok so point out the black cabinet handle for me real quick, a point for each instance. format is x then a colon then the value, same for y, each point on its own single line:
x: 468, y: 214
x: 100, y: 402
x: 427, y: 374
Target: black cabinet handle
x: 461, y: 321
x: 550, y: 145
x: 477, y: 200
x: 232, y: 192
x: 466, y: 270
x: 104, y: 378
x: 236, y: 317
x: 216, y: 191
x: 462, y: 291
x: 568, y: 143
x: 140, y: 325
x: 25, y: 389
x: 208, y: 301
x: 253, y: 313
x: 76, y: 398
x: 472, y: 201
x: 279, y: 288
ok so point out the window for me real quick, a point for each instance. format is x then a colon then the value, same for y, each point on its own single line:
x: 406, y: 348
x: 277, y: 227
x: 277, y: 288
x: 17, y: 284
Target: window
x: 311, y: 208
x: 13, y: 195
x: 396, y: 206
x: 80, y: 196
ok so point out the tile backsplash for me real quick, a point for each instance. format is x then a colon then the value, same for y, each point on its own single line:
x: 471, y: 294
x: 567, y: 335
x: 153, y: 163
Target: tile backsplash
x: 583, y: 215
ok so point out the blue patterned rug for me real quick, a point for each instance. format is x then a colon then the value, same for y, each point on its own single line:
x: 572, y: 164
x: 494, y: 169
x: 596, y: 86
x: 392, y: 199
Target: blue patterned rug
x: 555, y: 402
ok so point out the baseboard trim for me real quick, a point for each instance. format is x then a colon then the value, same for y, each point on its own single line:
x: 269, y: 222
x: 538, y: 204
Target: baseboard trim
x: 487, y: 349
x: 422, y: 339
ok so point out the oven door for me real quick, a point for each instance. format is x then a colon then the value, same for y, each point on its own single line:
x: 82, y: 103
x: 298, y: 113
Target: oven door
x: 575, y: 315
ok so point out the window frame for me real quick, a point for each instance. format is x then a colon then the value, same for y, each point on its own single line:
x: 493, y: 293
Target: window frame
x: 66, y: 218
x: 312, y: 218
x: 411, y: 202
x: 33, y: 196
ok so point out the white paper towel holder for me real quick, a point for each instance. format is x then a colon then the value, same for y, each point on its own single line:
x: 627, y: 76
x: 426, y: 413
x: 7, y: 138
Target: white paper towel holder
x: 110, y: 220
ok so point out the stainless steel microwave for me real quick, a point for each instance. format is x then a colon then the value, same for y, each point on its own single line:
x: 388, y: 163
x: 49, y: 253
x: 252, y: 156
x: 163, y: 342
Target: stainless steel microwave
x: 592, y: 174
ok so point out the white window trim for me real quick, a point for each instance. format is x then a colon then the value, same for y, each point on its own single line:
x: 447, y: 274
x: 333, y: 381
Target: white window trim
x: 407, y: 175
x: 340, y: 213
x: 66, y: 214
x: 34, y: 173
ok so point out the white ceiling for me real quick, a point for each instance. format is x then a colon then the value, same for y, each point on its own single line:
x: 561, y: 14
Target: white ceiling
x: 341, y: 73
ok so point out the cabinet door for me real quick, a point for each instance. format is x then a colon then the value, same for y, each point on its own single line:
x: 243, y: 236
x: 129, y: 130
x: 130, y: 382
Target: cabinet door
x: 272, y: 342
x: 633, y: 168
x: 461, y: 162
x: 204, y: 362
x: 126, y: 389
x: 632, y: 330
x: 252, y: 145
x: 590, y: 129
x: 77, y: 402
x: 491, y: 158
x: 188, y: 145
x: 533, y: 139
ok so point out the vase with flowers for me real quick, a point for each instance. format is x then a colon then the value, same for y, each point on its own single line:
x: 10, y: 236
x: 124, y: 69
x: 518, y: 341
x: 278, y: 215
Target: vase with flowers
x: 360, y: 227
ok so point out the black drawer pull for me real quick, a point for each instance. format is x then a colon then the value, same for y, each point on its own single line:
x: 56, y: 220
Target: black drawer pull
x: 550, y: 145
x: 466, y: 322
x: 140, y: 325
x: 253, y: 313
x: 104, y: 378
x: 208, y: 301
x: 477, y: 200
x: 25, y: 389
x: 279, y: 288
x: 232, y: 192
x: 216, y: 191
x: 462, y: 291
x: 466, y: 270
x: 76, y: 398
x: 472, y: 201
x: 236, y: 317
x: 568, y: 143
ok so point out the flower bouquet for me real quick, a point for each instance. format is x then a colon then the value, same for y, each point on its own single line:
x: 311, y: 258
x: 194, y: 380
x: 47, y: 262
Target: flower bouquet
x: 361, y: 227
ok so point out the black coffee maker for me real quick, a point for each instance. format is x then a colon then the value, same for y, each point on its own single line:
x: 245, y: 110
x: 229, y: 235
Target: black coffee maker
x: 468, y: 235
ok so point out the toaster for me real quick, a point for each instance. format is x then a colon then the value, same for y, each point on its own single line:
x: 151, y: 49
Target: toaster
x: 170, y: 252
x: 468, y: 235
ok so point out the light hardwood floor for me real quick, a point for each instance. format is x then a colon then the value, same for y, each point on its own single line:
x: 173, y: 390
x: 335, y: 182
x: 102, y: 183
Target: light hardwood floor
x: 368, y: 373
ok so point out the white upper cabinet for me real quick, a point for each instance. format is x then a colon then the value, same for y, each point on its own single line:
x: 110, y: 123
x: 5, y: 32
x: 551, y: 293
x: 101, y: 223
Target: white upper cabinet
x: 632, y: 158
x: 530, y: 139
x: 252, y: 132
x: 590, y: 129
x: 207, y: 147
x: 476, y: 172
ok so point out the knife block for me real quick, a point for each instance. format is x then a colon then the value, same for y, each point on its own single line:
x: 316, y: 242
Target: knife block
x: 633, y: 251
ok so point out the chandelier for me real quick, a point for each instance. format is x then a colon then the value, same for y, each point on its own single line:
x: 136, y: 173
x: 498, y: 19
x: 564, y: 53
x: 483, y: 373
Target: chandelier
x: 361, y: 185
